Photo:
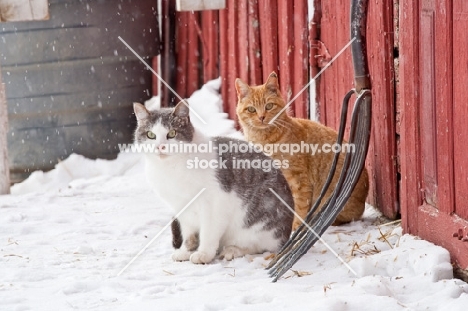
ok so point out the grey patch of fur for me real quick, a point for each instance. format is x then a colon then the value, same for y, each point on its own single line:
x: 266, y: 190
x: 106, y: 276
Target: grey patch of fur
x: 192, y: 242
x: 253, y: 187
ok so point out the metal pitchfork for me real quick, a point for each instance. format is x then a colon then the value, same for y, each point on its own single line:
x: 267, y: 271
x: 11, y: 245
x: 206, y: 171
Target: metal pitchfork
x: 304, y: 238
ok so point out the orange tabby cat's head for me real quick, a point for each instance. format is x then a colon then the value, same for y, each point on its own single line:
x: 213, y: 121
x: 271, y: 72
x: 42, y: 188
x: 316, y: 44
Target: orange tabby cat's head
x: 258, y: 105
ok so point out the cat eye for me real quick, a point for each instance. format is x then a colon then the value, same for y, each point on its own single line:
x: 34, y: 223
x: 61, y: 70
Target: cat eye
x: 150, y: 135
x: 251, y: 109
x: 171, y: 134
x: 268, y: 106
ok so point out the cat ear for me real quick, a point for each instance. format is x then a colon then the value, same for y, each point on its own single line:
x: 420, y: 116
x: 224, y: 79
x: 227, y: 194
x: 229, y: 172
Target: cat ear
x: 242, y: 88
x: 272, y: 82
x: 182, y: 109
x: 140, y: 111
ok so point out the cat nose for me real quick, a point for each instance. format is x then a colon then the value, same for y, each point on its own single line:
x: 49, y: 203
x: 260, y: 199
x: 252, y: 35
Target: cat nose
x: 162, y: 147
x: 262, y: 118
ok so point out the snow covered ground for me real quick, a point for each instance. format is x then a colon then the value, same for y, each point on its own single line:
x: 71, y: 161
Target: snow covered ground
x: 66, y: 234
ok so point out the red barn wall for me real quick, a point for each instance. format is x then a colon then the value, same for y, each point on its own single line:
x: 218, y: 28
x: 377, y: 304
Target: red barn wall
x: 417, y: 158
x: 337, y: 80
x: 248, y: 40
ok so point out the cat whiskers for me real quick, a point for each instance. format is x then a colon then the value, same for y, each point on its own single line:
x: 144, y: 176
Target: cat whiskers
x: 276, y: 126
x: 281, y: 123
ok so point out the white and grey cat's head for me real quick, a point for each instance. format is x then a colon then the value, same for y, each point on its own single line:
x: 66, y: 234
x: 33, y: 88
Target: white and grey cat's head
x: 164, y: 126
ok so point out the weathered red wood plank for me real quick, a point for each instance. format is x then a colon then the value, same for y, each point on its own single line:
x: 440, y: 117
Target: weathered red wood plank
x: 211, y: 46
x: 314, y: 34
x: 255, y: 70
x: 182, y: 51
x: 444, y: 107
x: 193, y: 54
x: 460, y: 134
x: 285, y: 47
x: 327, y: 86
x: 337, y: 79
x: 233, y: 73
x: 300, y: 58
x: 242, y: 40
x: 268, y: 14
x: 428, y: 103
x: 383, y: 154
x: 410, y: 195
x: 344, y: 78
x: 224, y: 55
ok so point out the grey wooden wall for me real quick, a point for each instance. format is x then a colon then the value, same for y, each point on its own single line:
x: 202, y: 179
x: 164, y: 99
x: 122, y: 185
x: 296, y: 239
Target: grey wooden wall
x: 70, y: 83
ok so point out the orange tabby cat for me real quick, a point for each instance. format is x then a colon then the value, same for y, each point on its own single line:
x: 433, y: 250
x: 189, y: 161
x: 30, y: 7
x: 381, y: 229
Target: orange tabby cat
x: 306, y: 173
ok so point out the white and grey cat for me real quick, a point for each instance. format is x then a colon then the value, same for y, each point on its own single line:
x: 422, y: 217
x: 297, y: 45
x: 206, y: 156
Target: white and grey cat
x: 237, y: 214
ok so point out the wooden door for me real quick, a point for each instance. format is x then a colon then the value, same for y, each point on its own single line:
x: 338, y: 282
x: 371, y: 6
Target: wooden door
x: 433, y: 79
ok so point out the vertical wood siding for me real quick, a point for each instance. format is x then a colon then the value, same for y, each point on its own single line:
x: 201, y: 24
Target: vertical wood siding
x: 338, y: 79
x: 252, y: 38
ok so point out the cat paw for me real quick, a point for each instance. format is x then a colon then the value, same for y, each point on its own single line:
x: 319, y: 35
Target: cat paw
x: 181, y: 255
x: 231, y: 252
x: 201, y: 257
